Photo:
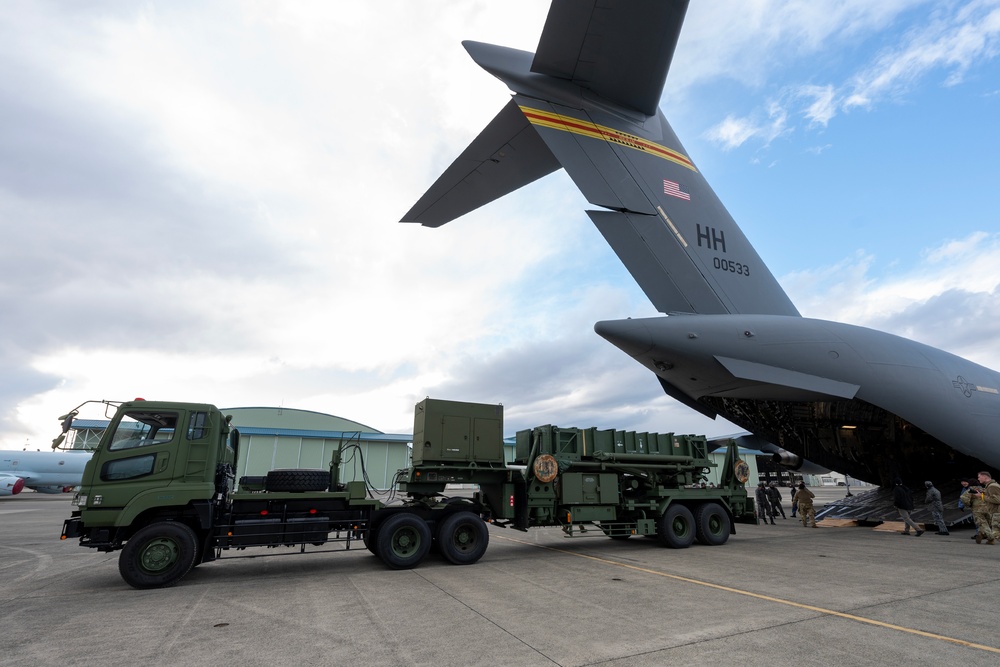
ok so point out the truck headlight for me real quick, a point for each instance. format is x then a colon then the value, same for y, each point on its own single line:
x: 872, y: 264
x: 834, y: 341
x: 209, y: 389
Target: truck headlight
x: 79, y: 500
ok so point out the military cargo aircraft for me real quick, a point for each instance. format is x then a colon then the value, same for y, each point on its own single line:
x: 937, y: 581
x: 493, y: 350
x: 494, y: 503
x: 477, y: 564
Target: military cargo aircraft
x: 866, y: 403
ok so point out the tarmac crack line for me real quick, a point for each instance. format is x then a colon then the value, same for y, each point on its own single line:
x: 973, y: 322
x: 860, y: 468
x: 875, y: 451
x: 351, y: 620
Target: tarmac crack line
x: 694, y: 642
x: 167, y: 643
x: 768, y: 598
x: 489, y: 620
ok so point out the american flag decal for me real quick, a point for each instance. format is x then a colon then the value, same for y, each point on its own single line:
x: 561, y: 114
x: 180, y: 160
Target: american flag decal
x: 675, y: 190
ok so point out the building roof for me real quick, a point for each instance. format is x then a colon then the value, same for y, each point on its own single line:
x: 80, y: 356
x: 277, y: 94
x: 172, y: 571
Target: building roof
x: 292, y: 418
x: 288, y: 422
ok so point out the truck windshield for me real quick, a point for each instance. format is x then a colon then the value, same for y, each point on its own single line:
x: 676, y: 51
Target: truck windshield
x: 139, y: 428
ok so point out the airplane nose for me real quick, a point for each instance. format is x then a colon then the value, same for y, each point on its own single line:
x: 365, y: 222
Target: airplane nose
x: 631, y: 336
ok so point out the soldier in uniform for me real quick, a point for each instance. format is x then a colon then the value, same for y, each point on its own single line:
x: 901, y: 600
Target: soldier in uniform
x: 804, y: 499
x: 973, y: 499
x: 775, y: 497
x: 934, y: 504
x: 991, y: 491
x: 763, y: 504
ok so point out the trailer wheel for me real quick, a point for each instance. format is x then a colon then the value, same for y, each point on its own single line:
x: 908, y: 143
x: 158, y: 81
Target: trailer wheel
x: 676, y: 527
x: 712, y: 525
x: 403, y: 540
x: 298, y: 480
x: 463, y: 538
x: 158, y: 555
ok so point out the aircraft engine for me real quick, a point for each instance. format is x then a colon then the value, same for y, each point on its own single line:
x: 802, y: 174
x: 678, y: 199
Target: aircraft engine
x: 10, y: 485
x: 786, y: 459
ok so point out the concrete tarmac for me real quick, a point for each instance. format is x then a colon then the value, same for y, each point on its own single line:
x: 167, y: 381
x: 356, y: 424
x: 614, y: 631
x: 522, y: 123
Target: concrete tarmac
x: 773, y: 595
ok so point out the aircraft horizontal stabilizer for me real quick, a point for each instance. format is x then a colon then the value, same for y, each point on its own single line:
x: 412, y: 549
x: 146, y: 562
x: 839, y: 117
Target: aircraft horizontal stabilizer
x: 507, y: 155
x: 619, y: 50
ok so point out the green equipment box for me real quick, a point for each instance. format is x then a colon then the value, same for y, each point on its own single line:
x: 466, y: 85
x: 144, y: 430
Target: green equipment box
x: 454, y: 433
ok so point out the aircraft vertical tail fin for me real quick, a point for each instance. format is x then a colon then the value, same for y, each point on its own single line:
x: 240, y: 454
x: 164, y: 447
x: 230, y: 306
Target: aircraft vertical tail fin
x: 586, y: 101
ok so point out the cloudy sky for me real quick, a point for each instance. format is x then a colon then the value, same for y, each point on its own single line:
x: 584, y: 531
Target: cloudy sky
x: 199, y: 201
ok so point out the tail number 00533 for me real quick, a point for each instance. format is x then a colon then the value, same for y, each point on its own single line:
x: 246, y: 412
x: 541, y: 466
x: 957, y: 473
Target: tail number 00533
x: 731, y: 266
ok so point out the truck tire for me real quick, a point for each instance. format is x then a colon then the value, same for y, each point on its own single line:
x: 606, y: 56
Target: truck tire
x: 158, y: 555
x: 712, y: 525
x: 463, y: 538
x: 676, y: 527
x: 402, y: 540
x: 298, y: 480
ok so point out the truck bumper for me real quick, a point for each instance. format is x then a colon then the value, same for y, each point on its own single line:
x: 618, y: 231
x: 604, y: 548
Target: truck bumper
x: 71, y: 528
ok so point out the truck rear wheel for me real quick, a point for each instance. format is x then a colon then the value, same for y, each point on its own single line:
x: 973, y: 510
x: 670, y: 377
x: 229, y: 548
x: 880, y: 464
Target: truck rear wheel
x: 158, y: 555
x: 676, y: 527
x: 463, y: 538
x: 298, y: 480
x: 712, y: 525
x: 402, y: 540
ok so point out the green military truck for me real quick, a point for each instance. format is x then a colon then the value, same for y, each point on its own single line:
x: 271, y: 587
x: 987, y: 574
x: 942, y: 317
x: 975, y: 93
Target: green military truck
x: 161, y: 488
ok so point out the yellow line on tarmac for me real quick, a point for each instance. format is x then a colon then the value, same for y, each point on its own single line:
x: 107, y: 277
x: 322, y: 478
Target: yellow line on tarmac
x: 768, y: 598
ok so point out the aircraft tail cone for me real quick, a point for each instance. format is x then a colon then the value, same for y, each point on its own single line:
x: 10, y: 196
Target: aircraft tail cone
x: 630, y: 335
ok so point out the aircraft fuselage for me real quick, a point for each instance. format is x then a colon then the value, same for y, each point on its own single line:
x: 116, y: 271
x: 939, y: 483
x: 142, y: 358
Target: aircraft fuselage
x: 827, y: 389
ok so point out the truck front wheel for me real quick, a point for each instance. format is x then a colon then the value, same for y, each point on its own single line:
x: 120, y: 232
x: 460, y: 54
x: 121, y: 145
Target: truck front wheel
x: 676, y: 529
x: 158, y: 555
x: 463, y: 538
x: 403, y: 540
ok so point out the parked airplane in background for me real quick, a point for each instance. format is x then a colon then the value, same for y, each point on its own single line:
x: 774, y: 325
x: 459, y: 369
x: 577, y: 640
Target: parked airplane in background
x: 866, y: 403
x: 45, y: 472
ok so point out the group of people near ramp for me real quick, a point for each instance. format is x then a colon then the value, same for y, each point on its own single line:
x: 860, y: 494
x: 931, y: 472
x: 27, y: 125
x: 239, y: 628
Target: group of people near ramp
x: 983, y: 500
x: 768, y: 500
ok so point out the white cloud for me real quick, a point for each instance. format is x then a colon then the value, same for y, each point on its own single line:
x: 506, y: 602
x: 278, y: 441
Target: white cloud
x: 734, y: 132
x: 823, y: 107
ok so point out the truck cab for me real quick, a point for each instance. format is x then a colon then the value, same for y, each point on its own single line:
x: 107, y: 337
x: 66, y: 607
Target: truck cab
x: 155, y: 459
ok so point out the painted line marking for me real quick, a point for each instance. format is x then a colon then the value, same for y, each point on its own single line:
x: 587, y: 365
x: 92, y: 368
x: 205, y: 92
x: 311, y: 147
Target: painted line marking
x: 586, y: 128
x: 767, y: 598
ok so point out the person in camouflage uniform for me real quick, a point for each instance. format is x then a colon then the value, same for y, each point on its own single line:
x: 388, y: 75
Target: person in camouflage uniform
x: 975, y: 501
x: 804, y: 498
x: 991, y: 491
